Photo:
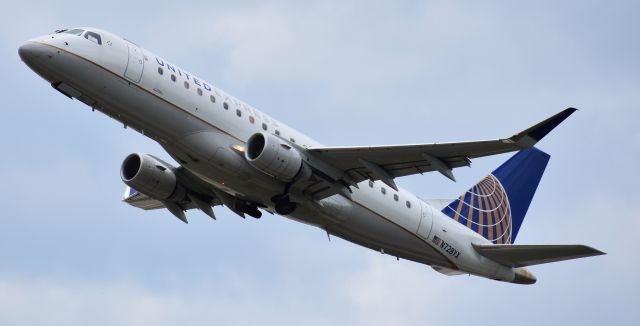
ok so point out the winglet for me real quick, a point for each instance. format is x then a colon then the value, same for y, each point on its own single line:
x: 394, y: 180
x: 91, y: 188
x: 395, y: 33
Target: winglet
x: 534, y: 134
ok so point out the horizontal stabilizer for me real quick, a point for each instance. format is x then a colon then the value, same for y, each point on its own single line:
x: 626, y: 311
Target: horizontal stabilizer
x: 526, y: 255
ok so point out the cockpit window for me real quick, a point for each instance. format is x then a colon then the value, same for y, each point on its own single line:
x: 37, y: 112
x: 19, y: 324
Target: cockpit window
x: 75, y: 31
x: 93, y: 37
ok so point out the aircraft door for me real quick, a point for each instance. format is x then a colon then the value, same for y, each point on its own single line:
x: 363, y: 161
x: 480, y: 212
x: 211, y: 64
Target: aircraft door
x: 426, y: 221
x: 135, y: 65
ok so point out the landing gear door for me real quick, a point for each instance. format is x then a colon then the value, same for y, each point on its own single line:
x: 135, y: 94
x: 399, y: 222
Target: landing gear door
x: 426, y: 221
x: 135, y: 65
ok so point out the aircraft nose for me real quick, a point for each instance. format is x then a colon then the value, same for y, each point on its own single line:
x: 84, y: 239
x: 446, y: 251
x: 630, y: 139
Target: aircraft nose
x: 28, y: 52
x: 32, y: 51
x: 33, y: 54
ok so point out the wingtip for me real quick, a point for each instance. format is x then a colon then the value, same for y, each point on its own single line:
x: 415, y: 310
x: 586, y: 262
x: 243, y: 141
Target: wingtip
x: 590, y: 251
x: 595, y: 252
x: 534, y: 134
x: 565, y: 113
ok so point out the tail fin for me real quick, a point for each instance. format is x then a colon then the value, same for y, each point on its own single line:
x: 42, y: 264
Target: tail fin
x: 495, y: 207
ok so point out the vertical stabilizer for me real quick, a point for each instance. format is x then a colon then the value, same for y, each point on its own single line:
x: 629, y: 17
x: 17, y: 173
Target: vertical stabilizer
x: 496, y: 207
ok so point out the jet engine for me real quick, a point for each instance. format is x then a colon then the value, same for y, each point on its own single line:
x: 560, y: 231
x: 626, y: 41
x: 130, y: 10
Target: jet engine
x: 151, y: 176
x: 273, y: 156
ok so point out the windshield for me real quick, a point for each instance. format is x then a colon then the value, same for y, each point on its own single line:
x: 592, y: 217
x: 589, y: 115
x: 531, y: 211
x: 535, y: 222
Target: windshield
x: 75, y: 31
x: 93, y: 37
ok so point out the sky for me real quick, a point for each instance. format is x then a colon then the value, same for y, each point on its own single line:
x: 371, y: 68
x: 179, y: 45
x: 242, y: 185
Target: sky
x: 345, y: 73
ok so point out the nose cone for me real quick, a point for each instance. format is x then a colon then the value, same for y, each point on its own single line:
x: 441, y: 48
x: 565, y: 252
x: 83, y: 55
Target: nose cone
x: 27, y: 51
x: 38, y: 57
x: 30, y: 52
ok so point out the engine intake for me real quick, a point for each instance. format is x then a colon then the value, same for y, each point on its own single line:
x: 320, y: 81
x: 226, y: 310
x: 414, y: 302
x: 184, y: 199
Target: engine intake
x: 273, y: 156
x: 150, y: 176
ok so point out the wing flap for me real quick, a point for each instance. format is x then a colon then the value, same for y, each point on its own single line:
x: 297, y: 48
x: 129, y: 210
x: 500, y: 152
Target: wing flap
x: 527, y: 255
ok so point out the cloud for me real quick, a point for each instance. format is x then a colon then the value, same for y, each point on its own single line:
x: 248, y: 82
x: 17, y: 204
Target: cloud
x: 51, y: 302
x: 390, y: 293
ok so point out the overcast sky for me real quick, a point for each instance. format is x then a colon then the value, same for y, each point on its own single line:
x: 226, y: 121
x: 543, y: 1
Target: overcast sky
x: 346, y: 73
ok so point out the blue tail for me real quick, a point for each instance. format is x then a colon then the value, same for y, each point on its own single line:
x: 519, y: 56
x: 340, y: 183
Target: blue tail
x: 495, y: 207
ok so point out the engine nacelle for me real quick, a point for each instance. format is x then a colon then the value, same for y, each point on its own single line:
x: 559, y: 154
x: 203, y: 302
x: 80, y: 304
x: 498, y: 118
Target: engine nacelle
x: 273, y: 156
x: 150, y: 176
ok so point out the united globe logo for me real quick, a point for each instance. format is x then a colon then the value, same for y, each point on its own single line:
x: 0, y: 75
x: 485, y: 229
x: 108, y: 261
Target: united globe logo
x: 484, y: 209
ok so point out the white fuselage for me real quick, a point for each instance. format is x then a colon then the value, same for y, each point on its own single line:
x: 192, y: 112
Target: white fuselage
x: 199, y: 125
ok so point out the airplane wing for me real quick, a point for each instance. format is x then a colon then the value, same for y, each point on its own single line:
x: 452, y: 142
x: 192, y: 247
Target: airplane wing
x: 137, y: 199
x: 200, y: 196
x: 388, y: 162
x: 527, y: 255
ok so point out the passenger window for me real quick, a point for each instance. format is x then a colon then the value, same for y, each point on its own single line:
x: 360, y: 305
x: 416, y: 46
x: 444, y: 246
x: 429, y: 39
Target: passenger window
x: 173, y: 77
x: 264, y: 126
x: 395, y: 197
x: 93, y: 37
x: 199, y: 91
x: 278, y: 132
x: 238, y: 112
x: 383, y: 190
x: 160, y: 71
x: 212, y: 98
x: 371, y: 183
x: 186, y: 85
x: 408, y: 204
x: 292, y: 140
x: 251, y: 119
x: 225, y: 105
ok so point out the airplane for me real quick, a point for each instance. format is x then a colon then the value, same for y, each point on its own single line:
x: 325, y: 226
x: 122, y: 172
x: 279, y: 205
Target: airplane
x: 231, y: 154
